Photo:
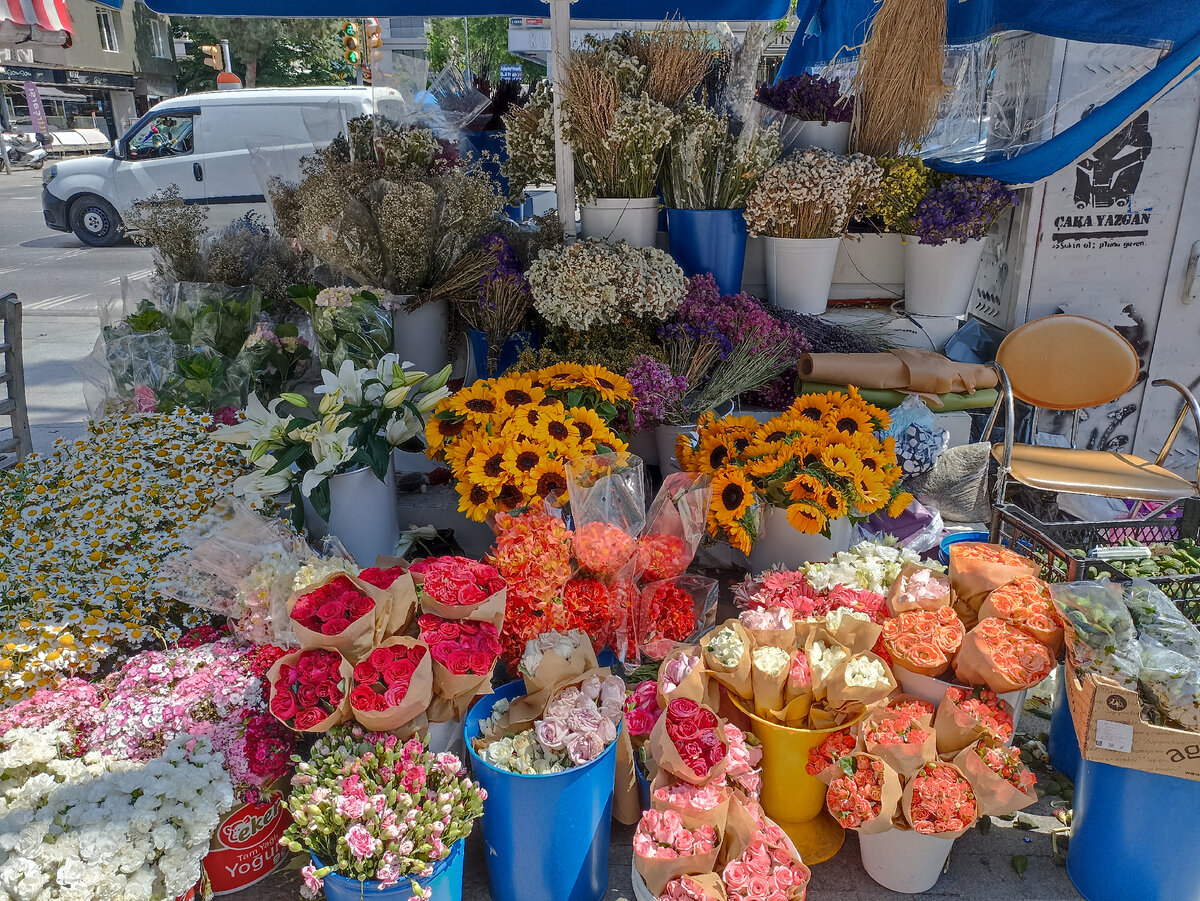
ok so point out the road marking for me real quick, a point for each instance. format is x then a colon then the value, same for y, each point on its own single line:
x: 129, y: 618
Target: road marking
x: 132, y: 276
x: 58, y: 301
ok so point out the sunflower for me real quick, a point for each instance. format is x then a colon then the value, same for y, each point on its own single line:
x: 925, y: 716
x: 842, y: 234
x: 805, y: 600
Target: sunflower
x: 586, y: 423
x: 547, y: 480
x: 606, y: 438
x: 475, y: 501
x: 486, y: 467
x: 554, y: 430
x: 740, y: 537
x: 773, y: 431
x: 807, y: 519
x: 899, y: 504
x: 524, y: 421
x: 685, y: 452
x: 611, y: 387
x: 841, y: 460
x: 833, y: 502
x: 807, y: 452
x: 813, y: 407
x: 509, y: 497
x: 714, y: 451
x: 870, y: 485
x: 521, y: 457
x: 459, y: 457
x: 805, y: 487
x: 478, y: 403
x: 561, y: 376
x: 518, y: 391
x: 732, y: 495
x: 849, y: 420
x: 878, y: 415
x: 767, y: 465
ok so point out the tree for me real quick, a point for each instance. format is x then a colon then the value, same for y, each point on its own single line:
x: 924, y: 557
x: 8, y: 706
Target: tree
x: 265, y: 52
x: 489, y: 47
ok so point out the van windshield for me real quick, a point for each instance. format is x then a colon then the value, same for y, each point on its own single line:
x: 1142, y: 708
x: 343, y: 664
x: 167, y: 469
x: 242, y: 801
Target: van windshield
x: 169, y: 134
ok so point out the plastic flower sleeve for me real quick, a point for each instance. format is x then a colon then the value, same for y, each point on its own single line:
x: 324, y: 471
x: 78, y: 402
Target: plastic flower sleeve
x: 674, y: 526
x: 457, y: 100
x: 608, y: 505
x: 1171, y: 682
x: 671, y: 612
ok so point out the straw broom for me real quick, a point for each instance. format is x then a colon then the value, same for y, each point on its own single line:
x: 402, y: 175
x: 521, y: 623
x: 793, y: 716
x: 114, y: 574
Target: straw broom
x: 899, y: 82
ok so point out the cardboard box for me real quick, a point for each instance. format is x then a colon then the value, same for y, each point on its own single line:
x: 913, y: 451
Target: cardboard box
x: 1109, y: 725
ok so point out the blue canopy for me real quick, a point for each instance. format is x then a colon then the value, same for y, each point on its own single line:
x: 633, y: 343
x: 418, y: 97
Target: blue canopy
x: 833, y: 28
x: 695, y: 10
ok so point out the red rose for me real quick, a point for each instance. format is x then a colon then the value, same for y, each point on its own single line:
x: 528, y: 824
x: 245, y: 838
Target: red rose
x: 685, y: 730
x: 361, y: 606
x: 459, y: 663
x: 308, y: 695
x: 363, y: 698
x: 332, y: 610
x: 699, y: 767
x: 448, y: 631
x: 691, y: 750
x: 707, y: 719
x: 683, y: 709
x: 380, y: 657
x: 399, y: 671
x: 365, y: 673
x: 308, y: 719
x: 335, y: 626
x: 283, y: 704
x: 287, y: 674
x: 395, y: 694
x: 310, y: 665
x: 715, y: 754
x: 481, y: 662
x: 709, y: 738
x: 330, y: 692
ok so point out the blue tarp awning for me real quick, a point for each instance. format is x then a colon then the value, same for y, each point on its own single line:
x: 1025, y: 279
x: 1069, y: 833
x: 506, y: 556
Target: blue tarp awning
x: 833, y: 28
x: 694, y: 10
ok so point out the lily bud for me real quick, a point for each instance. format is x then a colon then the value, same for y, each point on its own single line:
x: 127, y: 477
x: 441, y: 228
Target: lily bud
x: 437, y: 380
x: 395, y: 398
x: 296, y: 400
x: 330, y: 403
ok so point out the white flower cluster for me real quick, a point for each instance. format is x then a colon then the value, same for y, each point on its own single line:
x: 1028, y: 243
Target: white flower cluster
x: 864, y: 672
x: 99, y: 829
x: 593, y: 282
x: 337, y: 296
x: 523, y: 754
x: 707, y: 167
x: 565, y: 644
x: 812, y: 194
x: 771, y: 661
x: 823, y: 658
x: 834, y: 619
x: 727, y: 647
x: 870, y: 566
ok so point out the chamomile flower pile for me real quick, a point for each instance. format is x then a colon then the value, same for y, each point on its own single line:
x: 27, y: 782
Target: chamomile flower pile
x: 82, y: 534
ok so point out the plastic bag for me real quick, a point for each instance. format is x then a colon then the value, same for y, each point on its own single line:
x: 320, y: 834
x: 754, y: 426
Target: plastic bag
x: 1100, y: 634
x: 674, y: 526
x: 957, y: 485
x: 607, y: 493
x: 1156, y: 617
x: 675, y: 611
x: 1171, y: 682
x: 919, y: 440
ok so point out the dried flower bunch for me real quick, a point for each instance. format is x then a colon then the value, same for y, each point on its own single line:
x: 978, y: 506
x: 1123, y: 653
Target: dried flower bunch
x: 592, y: 282
x: 812, y: 194
x: 961, y: 209
x: 713, y: 162
x: 906, y: 181
x: 529, y: 139
x: 808, y: 97
x: 502, y: 300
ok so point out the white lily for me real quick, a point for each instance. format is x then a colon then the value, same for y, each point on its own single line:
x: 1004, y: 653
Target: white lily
x: 395, y: 397
x: 258, y: 485
x: 330, y: 450
x: 432, y: 399
x: 402, y: 427
x: 346, y: 380
x: 260, y: 424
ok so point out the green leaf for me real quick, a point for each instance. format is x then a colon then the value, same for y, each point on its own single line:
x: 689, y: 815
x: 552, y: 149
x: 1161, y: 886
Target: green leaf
x: 574, y: 397
x: 319, y: 498
x: 846, y: 764
x: 297, y: 516
x: 287, y: 330
x: 1019, y: 863
x: 287, y: 458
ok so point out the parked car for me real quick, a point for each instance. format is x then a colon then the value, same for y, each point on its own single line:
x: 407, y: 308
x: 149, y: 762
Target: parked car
x: 203, y: 143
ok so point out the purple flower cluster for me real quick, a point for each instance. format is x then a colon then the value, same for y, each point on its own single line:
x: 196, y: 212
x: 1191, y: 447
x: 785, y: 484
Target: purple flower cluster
x: 658, y: 393
x: 808, y: 97
x: 960, y: 209
x: 695, y: 335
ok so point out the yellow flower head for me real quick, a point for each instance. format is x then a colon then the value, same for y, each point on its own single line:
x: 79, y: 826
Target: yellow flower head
x: 806, y: 518
x: 486, y: 466
x: 518, y: 391
x: 479, y: 403
x: 732, y: 495
x: 547, y: 480
x: 475, y: 501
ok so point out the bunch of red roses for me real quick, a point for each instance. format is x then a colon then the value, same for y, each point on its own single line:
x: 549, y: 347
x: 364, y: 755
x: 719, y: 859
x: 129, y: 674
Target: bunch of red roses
x: 693, y: 731
x: 464, y: 647
x: 381, y: 578
x: 382, y: 679
x: 308, y: 690
x: 332, y: 608
x: 458, y: 581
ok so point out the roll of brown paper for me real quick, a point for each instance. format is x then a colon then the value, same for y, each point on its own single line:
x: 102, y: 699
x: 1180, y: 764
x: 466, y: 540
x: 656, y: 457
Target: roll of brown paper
x: 901, y: 369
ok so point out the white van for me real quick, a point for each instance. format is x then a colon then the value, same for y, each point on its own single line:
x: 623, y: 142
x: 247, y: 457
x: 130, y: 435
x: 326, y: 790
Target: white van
x: 203, y: 144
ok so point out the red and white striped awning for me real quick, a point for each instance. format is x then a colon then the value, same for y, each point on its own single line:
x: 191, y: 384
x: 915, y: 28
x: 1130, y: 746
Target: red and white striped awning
x: 41, y: 21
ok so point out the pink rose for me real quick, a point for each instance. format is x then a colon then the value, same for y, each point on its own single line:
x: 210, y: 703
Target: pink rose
x: 639, y: 722
x: 783, y: 877
x: 335, y: 626
x: 704, y: 846
x: 380, y: 657
x: 395, y: 694
x: 582, y: 748
x: 552, y: 734
x: 399, y: 671
x: 607, y: 731
x: 584, y: 719
x: 459, y: 663
x: 684, y: 843
x: 736, y: 876
x: 759, y: 886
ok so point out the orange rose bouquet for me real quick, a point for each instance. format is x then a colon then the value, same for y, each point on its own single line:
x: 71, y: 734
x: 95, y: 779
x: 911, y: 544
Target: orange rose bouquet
x: 1027, y: 604
x: 924, y: 641
x: 1002, y: 657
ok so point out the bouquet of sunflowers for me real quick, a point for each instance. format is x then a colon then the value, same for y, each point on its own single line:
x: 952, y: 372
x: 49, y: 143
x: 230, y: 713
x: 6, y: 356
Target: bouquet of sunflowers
x: 507, y: 440
x: 820, y: 460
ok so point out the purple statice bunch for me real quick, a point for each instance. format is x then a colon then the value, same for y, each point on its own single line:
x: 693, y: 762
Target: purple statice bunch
x: 961, y: 209
x: 658, y: 393
x: 809, y: 97
x: 693, y: 349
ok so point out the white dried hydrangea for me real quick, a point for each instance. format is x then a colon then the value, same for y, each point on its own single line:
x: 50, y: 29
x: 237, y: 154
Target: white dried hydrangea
x: 592, y: 282
x: 812, y: 194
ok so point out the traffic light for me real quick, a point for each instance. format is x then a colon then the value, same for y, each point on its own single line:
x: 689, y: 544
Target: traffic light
x: 215, y: 58
x: 374, y: 40
x: 350, y: 43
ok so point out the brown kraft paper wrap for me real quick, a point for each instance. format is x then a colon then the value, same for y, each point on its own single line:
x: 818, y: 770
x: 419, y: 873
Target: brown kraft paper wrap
x: 553, y: 673
x: 657, y: 873
x: 740, y: 829
x: 453, y: 693
x: 996, y: 795
x: 896, y: 606
x: 840, y: 694
x: 973, y: 579
x: 905, y: 759
x: 627, y: 804
x: 890, y: 792
x: 737, y: 679
x: 956, y: 729
x: 854, y: 634
x: 339, y: 715
x: 906, y: 807
x: 709, y: 884
x: 696, y: 685
x: 797, y: 700
x: 667, y: 757
x: 416, y: 699
x: 784, y: 639
x: 1051, y: 637
x: 357, y: 640
x: 913, y: 371
x: 973, y: 665
x: 690, y: 816
x: 768, y: 690
x: 820, y: 677
x: 820, y: 716
x: 403, y: 596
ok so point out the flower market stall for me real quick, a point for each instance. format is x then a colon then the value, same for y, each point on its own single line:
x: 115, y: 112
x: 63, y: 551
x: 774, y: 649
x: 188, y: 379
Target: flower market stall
x: 744, y: 612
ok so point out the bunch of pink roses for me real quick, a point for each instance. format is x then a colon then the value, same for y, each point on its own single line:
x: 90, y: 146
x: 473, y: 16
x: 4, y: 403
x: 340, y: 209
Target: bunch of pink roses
x: 464, y: 647
x: 332, y: 608
x: 458, y: 581
x: 582, y: 720
x: 661, y: 835
x: 381, y: 680
x: 768, y: 870
x: 742, y: 762
x: 641, y: 710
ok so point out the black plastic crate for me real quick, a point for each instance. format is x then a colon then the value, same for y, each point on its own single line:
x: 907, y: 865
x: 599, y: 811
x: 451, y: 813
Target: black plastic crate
x: 1050, y: 544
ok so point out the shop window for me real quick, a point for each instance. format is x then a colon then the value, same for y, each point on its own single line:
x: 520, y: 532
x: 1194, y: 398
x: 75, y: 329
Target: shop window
x: 108, y: 31
x: 160, y: 41
x: 166, y: 135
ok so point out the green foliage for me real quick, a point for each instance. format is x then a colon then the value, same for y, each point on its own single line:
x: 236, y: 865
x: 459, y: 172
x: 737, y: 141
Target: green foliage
x: 489, y: 47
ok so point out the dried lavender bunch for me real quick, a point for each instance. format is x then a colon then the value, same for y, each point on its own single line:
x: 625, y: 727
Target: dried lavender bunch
x: 808, y: 97
x: 692, y: 350
x: 961, y: 209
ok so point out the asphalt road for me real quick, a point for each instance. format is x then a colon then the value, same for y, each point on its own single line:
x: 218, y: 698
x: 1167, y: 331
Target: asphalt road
x: 54, y: 273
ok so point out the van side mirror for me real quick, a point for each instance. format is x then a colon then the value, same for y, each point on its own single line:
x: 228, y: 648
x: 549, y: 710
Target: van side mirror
x: 119, y: 150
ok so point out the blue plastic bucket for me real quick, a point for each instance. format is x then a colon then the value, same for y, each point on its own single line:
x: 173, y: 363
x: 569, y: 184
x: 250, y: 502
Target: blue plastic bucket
x: 514, y: 345
x: 944, y: 548
x: 1134, y: 835
x: 547, y: 837
x: 710, y: 241
x: 445, y: 883
x: 1063, y: 745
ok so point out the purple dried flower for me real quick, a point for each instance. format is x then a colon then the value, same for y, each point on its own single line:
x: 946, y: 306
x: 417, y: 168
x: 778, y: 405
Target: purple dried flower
x: 808, y: 97
x: 960, y: 209
x: 657, y: 392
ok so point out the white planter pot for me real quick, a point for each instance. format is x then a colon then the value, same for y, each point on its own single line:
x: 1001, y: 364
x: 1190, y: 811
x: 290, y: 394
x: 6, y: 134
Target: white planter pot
x: 632, y: 219
x: 904, y: 860
x: 869, y: 266
x: 800, y: 271
x: 664, y: 439
x: 420, y: 336
x: 411, y: 461
x: 644, y: 445
x: 800, y: 134
x: 933, y: 689
x: 938, y: 279
x: 754, y: 273
x: 362, y: 514
x: 780, y: 543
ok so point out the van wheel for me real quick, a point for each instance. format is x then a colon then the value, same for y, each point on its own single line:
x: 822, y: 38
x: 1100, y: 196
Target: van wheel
x: 94, y: 221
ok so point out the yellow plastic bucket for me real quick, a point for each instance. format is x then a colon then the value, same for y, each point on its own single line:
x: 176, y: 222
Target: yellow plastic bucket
x: 790, y: 796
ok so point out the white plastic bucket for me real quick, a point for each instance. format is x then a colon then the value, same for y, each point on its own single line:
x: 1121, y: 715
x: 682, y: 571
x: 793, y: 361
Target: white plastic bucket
x: 780, y: 543
x: 632, y: 219
x: 800, y: 272
x: 869, y: 266
x: 754, y: 273
x: 420, y: 336
x: 904, y: 860
x: 800, y: 134
x: 938, y: 279
x: 933, y: 690
x: 362, y: 514
x: 664, y: 440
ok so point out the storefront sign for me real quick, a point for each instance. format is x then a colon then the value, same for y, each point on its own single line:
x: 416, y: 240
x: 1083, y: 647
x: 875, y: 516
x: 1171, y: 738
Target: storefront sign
x: 510, y: 72
x: 27, y: 73
x: 37, y: 112
x: 100, y: 79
